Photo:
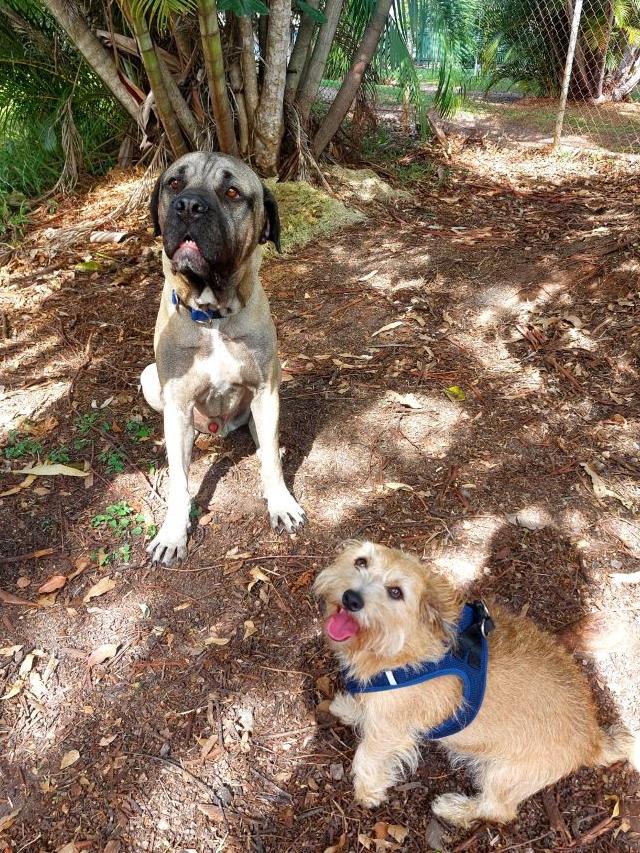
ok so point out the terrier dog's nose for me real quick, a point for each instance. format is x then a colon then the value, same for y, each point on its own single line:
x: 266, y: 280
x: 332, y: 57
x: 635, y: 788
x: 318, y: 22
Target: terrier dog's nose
x: 352, y: 600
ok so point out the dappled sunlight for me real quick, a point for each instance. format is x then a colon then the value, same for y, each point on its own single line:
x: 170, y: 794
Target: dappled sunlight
x: 466, y: 556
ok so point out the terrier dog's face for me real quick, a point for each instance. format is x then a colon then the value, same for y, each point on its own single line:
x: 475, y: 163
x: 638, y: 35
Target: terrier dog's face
x: 385, y: 603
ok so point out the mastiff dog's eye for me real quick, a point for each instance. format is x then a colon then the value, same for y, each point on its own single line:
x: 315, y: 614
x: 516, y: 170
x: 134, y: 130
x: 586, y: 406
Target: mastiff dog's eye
x: 176, y: 184
x: 232, y: 193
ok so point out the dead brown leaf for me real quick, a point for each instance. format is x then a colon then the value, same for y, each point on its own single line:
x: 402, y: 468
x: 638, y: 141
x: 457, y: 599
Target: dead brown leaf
x: 249, y: 629
x: 397, y: 832
x: 69, y: 758
x: 80, y: 565
x: 211, y: 811
x: 303, y: 580
x: 381, y: 829
x: 38, y: 428
x: 340, y: 847
x: 105, y: 584
x: 54, y: 583
x: 257, y: 575
x: 7, y: 820
x: 102, y: 653
x: 15, y: 688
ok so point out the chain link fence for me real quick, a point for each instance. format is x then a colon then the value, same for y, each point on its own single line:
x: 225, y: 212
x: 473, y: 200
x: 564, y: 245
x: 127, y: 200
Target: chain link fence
x: 559, y: 72
x: 575, y: 65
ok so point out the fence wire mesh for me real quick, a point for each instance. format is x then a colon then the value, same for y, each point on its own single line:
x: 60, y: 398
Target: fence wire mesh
x: 536, y: 71
x: 578, y: 61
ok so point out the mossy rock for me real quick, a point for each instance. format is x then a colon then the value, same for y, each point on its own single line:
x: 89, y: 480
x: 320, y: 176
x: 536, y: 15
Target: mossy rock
x: 362, y: 185
x: 307, y: 212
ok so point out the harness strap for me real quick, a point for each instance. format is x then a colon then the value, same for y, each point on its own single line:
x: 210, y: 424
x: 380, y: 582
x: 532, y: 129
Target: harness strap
x: 467, y: 659
x: 197, y: 315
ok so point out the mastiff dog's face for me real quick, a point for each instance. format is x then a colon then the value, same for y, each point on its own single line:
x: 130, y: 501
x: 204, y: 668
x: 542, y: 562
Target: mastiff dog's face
x: 212, y: 211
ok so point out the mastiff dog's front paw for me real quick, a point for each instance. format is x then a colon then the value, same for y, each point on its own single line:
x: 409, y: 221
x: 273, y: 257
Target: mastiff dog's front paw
x: 285, y: 512
x: 169, y: 546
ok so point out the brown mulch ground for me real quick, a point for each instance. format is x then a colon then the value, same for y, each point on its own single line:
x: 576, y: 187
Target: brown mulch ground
x: 515, y: 280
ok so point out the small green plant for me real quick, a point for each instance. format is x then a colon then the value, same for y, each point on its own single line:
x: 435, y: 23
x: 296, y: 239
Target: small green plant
x: 91, y: 420
x: 113, y: 460
x: 81, y: 443
x: 19, y: 447
x: 46, y: 524
x: 59, y: 454
x: 195, y: 512
x: 120, y: 518
x: 138, y: 430
x: 124, y: 553
x: 13, y: 221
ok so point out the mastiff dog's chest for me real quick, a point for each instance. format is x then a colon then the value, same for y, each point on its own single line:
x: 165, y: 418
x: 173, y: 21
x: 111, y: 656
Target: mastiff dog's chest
x: 226, y: 375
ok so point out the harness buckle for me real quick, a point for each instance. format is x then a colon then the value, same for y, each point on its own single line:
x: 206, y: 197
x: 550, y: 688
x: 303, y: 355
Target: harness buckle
x: 487, y: 624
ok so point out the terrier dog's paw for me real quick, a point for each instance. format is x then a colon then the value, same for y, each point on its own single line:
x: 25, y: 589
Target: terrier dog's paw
x: 285, y: 512
x: 169, y: 546
x: 367, y: 797
x: 345, y: 708
x: 455, y: 808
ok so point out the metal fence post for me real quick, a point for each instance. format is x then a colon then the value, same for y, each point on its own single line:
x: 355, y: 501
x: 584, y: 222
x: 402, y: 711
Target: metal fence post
x: 568, y: 67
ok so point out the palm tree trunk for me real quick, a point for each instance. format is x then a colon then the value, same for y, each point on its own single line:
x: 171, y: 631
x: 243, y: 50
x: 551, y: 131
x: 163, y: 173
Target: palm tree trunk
x: 71, y: 20
x: 308, y: 87
x: 248, y: 66
x: 214, y: 63
x: 630, y: 80
x: 151, y: 64
x: 269, y: 120
x: 184, y: 115
x: 299, y: 54
x: 237, y: 87
x: 605, y: 50
x: 263, y: 26
x: 351, y: 83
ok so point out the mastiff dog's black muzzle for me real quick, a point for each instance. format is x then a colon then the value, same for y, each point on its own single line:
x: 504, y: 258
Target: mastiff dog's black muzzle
x: 197, y: 239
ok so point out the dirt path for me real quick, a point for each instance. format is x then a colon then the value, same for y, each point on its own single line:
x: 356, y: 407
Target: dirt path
x: 204, y: 728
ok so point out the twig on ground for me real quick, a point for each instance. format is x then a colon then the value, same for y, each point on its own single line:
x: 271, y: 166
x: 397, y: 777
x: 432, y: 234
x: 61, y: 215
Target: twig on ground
x: 32, y: 555
x: 553, y: 813
x: 88, y: 355
x: 605, y: 825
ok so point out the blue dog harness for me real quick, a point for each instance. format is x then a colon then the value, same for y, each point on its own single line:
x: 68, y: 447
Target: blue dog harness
x: 468, y: 659
x: 197, y: 315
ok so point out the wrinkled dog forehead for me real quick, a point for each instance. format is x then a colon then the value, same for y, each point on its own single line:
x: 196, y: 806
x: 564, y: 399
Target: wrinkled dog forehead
x: 212, y: 170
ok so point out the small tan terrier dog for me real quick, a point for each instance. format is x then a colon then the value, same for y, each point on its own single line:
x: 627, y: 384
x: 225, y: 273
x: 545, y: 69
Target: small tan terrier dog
x: 386, y: 610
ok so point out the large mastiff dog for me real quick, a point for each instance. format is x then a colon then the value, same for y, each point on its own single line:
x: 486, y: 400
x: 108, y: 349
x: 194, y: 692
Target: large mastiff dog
x: 215, y: 343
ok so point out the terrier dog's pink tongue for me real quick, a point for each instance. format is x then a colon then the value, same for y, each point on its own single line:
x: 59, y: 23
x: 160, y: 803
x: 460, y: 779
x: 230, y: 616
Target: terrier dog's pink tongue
x: 341, y: 626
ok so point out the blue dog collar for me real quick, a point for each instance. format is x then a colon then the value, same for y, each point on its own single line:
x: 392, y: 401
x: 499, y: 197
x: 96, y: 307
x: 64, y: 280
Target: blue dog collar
x: 468, y: 659
x: 197, y: 315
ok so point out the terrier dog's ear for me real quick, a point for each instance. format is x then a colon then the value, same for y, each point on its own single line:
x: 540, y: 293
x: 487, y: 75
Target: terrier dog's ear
x: 439, y: 605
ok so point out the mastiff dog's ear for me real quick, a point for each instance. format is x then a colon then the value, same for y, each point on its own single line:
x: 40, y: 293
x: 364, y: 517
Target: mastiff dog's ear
x: 153, y: 206
x: 271, y: 229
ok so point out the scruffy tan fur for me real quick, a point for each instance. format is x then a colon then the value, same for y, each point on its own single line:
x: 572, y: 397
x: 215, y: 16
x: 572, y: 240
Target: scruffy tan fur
x: 538, y: 719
